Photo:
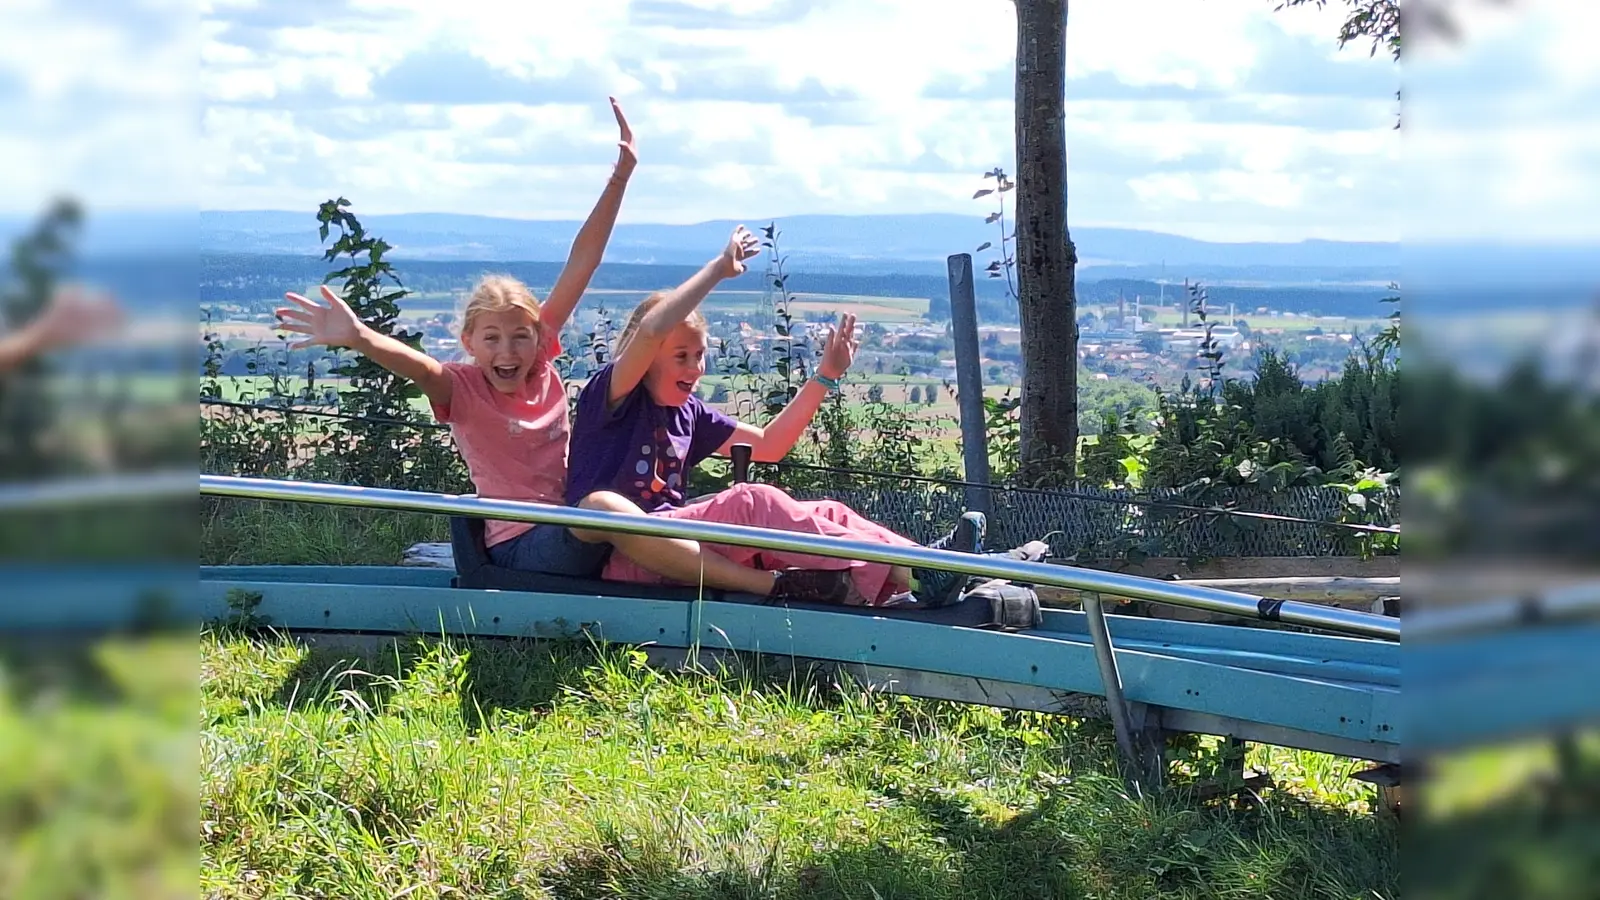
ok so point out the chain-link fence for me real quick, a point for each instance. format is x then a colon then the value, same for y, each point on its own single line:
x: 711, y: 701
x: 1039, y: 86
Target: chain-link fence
x: 1090, y: 521
x: 1085, y: 521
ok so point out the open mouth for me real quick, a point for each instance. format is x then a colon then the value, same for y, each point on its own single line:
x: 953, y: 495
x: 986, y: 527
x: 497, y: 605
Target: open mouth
x: 507, y: 372
x: 686, y: 386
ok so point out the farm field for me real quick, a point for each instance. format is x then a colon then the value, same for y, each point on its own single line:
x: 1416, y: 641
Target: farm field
x: 885, y: 310
x: 944, y: 412
x: 1172, y: 317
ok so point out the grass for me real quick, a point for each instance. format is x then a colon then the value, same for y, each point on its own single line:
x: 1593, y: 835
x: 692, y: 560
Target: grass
x: 269, y: 533
x: 437, y: 767
x: 447, y: 768
x: 1503, y: 821
x: 98, y: 796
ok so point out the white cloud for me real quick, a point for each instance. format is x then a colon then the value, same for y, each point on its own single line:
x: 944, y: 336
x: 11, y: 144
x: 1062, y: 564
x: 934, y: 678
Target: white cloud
x: 1503, y: 135
x: 731, y: 104
x: 96, y: 103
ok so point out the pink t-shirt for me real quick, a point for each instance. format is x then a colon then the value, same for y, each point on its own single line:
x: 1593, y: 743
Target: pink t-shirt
x: 515, y: 445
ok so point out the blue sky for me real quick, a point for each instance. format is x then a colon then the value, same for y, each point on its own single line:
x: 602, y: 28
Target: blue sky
x: 1217, y: 119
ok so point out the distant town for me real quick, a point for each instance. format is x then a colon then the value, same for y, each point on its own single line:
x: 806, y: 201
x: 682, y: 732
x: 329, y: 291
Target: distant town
x: 1137, y: 340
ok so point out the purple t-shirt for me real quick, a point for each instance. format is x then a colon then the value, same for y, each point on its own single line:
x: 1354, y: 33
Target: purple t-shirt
x: 641, y: 450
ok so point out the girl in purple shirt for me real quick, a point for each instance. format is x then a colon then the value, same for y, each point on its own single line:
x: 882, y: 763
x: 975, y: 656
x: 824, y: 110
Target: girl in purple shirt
x: 640, y: 428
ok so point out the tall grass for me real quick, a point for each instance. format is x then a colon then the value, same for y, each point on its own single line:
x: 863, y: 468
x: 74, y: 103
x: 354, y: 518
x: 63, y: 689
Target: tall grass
x: 529, y: 769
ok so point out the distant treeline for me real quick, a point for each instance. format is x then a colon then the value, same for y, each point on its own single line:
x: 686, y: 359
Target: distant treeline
x: 259, y: 281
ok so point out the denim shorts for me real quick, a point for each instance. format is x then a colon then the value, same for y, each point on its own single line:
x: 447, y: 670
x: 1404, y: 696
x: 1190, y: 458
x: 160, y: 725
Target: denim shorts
x: 551, y: 549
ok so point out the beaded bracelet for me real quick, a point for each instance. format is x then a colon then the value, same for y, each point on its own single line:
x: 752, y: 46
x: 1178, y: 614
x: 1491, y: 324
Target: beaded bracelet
x: 825, y: 381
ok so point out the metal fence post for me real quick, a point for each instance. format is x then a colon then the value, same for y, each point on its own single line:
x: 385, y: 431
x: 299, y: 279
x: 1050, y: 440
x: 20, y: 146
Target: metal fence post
x: 969, y: 384
x: 740, y: 454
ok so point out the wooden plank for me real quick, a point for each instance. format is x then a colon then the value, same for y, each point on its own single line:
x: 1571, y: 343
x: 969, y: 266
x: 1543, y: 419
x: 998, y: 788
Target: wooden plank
x: 1313, y: 589
x: 430, y: 555
x: 1343, y: 592
x: 1252, y: 567
x: 1458, y: 582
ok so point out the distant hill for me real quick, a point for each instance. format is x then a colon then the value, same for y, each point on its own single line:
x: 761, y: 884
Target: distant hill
x: 259, y: 281
x: 149, y: 256
x: 881, y: 245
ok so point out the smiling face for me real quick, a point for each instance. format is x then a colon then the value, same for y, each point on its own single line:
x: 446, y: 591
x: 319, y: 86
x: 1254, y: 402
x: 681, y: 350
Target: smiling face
x: 504, y: 343
x: 679, y: 365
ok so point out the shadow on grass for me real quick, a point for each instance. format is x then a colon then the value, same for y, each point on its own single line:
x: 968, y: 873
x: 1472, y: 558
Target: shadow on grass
x: 493, y: 675
x: 98, y: 670
x: 1541, y: 842
x: 1064, y: 847
x: 1026, y: 857
x: 65, y: 666
x: 497, y: 675
x: 1504, y: 853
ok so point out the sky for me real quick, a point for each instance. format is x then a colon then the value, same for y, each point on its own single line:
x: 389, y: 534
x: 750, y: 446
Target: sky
x: 1216, y: 119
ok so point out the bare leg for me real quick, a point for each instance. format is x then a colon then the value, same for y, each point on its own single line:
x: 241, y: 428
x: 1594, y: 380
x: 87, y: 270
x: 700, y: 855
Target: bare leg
x: 673, y: 558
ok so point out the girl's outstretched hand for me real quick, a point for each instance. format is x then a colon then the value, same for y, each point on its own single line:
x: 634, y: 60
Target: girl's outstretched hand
x: 627, y: 157
x: 76, y: 316
x: 839, y: 351
x: 742, y: 246
x: 334, y: 325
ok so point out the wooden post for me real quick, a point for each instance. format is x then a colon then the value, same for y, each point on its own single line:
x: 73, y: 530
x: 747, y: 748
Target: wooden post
x: 969, y: 383
x: 1046, y: 257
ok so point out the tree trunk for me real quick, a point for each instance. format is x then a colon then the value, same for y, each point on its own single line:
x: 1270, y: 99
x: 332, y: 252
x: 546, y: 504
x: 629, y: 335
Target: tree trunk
x: 1046, y: 258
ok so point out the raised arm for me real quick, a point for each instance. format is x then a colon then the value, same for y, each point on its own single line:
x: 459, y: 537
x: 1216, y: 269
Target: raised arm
x: 634, y: 357
x: 773, y: 442
x: 71, y: 318
x: 590, y: 244
x: 336, y: 325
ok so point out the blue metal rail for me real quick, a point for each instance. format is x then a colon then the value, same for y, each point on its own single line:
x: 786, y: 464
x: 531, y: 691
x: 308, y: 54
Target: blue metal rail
x: 1482, y: 674
x: 1325, y: 693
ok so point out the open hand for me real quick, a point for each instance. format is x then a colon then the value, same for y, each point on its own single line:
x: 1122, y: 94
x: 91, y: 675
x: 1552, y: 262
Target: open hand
x: 75, y: 316
x: 839, y: 351
x: 627, y: 157
x: 742, y: 246
x: 334, y: 325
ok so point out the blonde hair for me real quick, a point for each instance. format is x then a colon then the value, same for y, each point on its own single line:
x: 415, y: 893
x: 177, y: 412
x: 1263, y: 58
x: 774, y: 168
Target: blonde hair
x: 498, y: 293
x: 694, y: 320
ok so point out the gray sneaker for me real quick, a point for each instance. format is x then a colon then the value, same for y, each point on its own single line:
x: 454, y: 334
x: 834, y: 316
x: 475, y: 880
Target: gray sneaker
x: 967, y: 536
x: 936, y: 587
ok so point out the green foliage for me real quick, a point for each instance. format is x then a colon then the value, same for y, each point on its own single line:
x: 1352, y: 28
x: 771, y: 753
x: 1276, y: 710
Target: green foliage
x: 1376, y: 21
x: 1118, y: 398
x: 1104, y: 461
x: 28, y: 411
x: 387, y: 449
x: 1003, y: 429
x: 1510, y: 466
x: 1004, y: 264
x: 1273, y: 430
x: 786, y: 364
x: 1359, y: 409
x: 378, y: 441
